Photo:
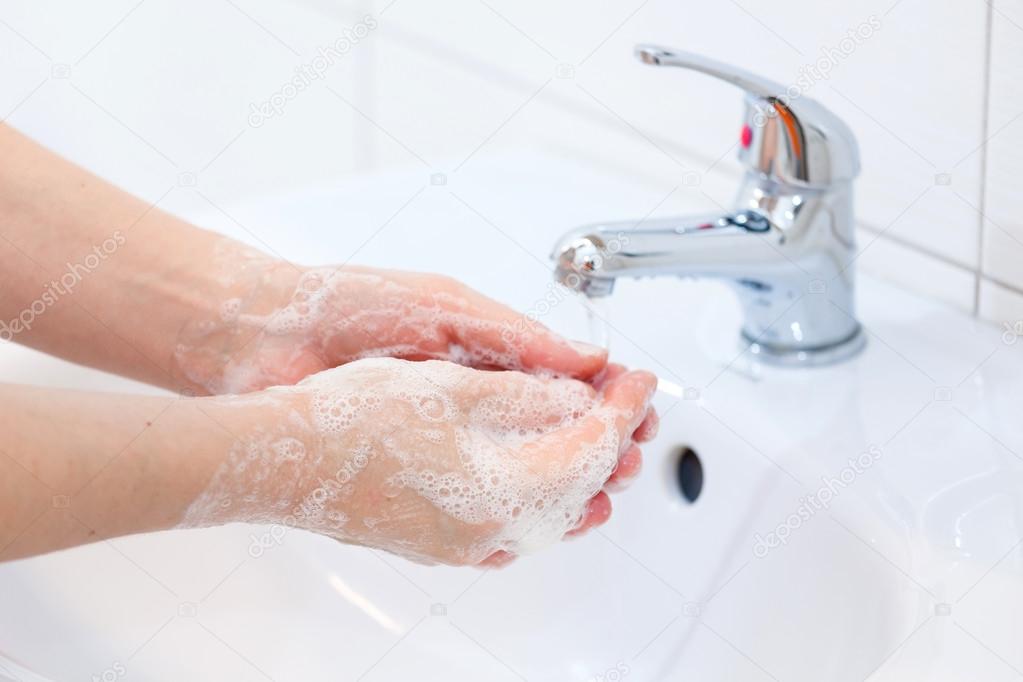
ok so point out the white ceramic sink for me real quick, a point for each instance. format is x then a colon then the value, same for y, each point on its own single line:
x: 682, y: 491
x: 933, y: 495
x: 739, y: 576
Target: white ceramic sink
x: 911, y: 572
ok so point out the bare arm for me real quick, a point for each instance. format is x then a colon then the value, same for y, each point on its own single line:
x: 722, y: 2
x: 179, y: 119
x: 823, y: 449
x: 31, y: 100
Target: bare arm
x: 430, y: 460
x: 79, y: 467
x: 92, y: 274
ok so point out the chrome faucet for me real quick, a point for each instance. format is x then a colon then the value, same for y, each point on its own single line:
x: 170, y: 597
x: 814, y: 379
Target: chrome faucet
x: 786, y: 247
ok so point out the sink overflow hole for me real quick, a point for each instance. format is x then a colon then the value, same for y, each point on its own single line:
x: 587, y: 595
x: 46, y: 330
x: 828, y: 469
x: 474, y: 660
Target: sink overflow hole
x: 689, y: 473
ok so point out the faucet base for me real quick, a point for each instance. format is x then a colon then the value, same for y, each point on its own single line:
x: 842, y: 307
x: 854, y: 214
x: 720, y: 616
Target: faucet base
x: 787, y: 356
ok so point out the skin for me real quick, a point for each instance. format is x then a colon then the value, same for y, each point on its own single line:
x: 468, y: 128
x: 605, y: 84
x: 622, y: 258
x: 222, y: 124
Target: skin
x: 101, y: 278
x: 112, y: 465
x: 351, y: 313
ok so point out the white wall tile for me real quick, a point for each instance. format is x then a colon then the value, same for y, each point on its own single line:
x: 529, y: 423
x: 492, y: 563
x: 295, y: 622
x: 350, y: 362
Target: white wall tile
x: 142, y: 94
x: 914, y: 94
x: 61, y: 31
x: 24, y: 69
x: 435, y: 100
x: 1001, y: 305
x: 1003, y: 231
x: 60, y: 118
x: 916, y: 271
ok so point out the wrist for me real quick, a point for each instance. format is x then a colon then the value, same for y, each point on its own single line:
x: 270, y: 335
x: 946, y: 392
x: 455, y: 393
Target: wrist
x: 154, y: 480
x: 130, y: 464
x: 249, y: 473
x: 217, y: 347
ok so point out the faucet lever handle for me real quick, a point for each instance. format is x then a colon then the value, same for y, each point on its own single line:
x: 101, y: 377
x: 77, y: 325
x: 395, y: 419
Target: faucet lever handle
x: 764, y: 88
x: 793, y: 139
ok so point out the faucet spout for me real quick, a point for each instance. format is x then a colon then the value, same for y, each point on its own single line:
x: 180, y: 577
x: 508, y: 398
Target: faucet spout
x: 787, y: 256
x: 736, y: 245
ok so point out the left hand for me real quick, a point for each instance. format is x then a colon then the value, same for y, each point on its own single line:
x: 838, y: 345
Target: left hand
x: 274, y: 324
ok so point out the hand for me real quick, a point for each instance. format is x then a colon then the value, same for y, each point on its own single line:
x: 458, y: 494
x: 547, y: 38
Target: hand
x: 430, y: 460
x: 277, y: 324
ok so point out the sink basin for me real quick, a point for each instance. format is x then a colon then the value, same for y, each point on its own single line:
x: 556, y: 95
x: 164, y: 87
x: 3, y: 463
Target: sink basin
x: 857, y: 521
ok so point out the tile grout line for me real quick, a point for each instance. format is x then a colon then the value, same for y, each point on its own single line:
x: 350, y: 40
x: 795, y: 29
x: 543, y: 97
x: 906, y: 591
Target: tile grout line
x: 984, y: 130
x: 1002, y: 283
x: 941, y: 258
x: 912, y: 246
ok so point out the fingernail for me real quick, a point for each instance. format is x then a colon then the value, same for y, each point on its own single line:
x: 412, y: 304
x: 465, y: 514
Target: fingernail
x: 586, y: 349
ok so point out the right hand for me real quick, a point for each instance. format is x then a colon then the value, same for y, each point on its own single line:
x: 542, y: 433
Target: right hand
x: 431, y: 460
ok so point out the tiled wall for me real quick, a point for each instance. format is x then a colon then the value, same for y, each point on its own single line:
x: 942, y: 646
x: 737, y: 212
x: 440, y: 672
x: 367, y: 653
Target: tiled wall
x: 933, y: 89
x: 158, y: 92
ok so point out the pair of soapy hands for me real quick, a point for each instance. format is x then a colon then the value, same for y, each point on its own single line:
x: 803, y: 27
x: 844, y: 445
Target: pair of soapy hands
x: 430, y: 453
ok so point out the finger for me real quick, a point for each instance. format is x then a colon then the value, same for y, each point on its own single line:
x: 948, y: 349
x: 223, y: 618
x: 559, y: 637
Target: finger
x: 546, y: 351
x: 498, y: 559
x: 648, y: 428
x: 627, y: 398
x: 629, y: 465
x: 525, y: 399
x: 598, y: 511
x: 623, y: 407
x: 610, y: 373
x: 499, y: 333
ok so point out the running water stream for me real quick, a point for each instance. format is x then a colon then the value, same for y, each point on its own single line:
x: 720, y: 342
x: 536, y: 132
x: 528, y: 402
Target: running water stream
x: 597, y: 314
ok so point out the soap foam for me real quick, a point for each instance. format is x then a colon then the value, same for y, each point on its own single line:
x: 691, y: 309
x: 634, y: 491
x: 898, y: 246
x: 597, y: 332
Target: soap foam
x: 485, y: 450
x: 335, y: 314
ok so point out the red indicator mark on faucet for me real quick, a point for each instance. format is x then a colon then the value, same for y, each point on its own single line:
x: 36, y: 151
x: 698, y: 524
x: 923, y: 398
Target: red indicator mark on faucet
x: 746, y: 136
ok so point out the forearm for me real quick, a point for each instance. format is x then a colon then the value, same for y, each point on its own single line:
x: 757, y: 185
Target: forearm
x: 80, y: 467
x: 430, y: 460
x: 93, y: 274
